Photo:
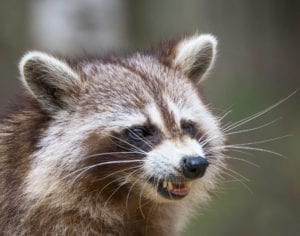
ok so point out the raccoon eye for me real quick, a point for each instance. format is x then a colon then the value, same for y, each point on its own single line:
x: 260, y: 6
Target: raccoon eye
x: 138, y: 133
x: 189, y: 128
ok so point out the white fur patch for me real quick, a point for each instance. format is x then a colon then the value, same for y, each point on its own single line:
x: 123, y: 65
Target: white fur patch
x: 126, y: 119
x: 155, y: 116
x: 61, y: 149
x: 48, y: 59
x: 53, y: 63
x: 166, y: 157
x: 62, y: 146
x: 188, y: 51
x: 174, y: 109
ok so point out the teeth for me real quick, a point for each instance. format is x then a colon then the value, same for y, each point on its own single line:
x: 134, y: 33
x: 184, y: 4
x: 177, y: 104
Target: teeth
x: 170, y: 185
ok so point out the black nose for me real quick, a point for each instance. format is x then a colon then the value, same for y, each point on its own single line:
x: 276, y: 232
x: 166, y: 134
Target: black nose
x: 194, y: 167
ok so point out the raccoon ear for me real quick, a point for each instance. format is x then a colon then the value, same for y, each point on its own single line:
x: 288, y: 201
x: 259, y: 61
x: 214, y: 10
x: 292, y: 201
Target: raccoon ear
x: 50, y: 80
x: 194, y: 55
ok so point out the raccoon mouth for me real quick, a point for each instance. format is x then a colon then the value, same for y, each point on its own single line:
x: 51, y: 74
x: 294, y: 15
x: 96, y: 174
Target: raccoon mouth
x: 172, y: 189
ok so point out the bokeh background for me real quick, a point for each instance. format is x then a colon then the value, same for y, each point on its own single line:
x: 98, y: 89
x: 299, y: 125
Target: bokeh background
x: 258, y: 65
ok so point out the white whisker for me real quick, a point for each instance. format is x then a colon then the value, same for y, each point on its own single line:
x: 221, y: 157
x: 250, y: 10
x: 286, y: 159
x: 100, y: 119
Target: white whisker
x: 141, y: 193
x: 248, y: 148
x: 87, y: 168
x: 232, y: 171
x: 235, y: 158
x: 256, y: 115
x: 243, y: 160
x: 225, y: 115
x: 252, y: 129
x: 131, y: 145
x: 143, y: 139
x: 235, y: 178
x: 111, y: 153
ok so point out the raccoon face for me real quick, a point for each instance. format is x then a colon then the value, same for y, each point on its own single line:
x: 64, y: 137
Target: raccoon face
x: 136, y: 121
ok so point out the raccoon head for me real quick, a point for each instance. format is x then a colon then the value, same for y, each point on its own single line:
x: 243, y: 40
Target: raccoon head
x: 137, y: 122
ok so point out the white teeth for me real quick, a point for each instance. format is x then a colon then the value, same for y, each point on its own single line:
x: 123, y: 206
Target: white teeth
x: 170, y: 185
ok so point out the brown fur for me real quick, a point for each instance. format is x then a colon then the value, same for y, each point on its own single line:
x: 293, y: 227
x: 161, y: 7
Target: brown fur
x: 19, y: 132
x: 95, y: 202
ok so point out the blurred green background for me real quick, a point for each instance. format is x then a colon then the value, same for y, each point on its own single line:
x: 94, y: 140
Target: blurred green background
x: 258, y: 64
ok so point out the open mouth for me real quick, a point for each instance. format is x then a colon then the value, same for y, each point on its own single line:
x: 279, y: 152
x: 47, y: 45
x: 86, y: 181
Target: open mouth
x: 172, y: 189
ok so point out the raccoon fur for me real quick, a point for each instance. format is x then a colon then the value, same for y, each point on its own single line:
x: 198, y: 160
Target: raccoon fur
x: 110, y: 145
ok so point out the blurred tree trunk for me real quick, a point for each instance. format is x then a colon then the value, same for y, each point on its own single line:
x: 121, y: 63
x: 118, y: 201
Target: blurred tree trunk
x: 261, y: 37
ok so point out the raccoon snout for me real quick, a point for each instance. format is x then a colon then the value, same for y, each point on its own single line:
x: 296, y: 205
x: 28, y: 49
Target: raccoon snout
x: 193, y: 167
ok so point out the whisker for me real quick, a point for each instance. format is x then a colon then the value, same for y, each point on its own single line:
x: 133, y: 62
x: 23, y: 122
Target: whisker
x: 119, y: 171
x: 109, y: 183
x: 154, y: 207
x: 144, y: 139
x: 156, y: 186
x: 87, y: 168
x: 235, y: 158
x: 131, y: 145
x: 235, y: 178
x: 249, y: 148
x: 111, y: 153
x: 256, y: 115
x: 230, y: 170
x: 113, y: 193
x: 117, y: 189
x: 140, y: 198
x: 118, y: 179
x: 243, y: 160
x: 225, y: 115
x: 245, y: 147
x: 243, y: 152
x: 264, y: 141
x: 252, y: 129
x: 129, y: 191
x: 204, y: 142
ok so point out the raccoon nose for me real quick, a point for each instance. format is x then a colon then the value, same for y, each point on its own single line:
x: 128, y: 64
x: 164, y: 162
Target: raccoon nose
x: 194, y: 167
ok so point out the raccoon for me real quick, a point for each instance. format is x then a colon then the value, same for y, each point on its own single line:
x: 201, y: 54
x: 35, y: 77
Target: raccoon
x: 110, y: 145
